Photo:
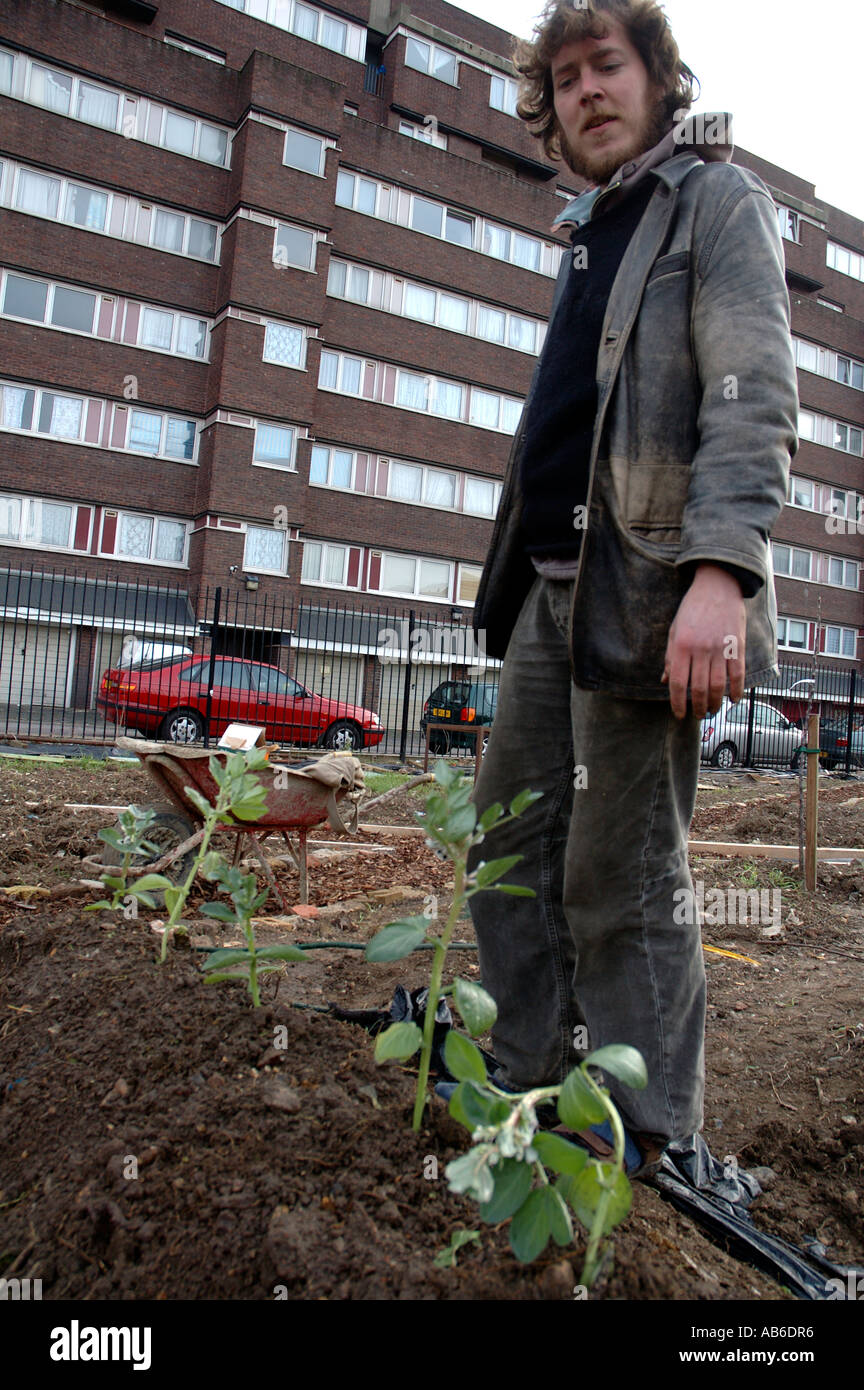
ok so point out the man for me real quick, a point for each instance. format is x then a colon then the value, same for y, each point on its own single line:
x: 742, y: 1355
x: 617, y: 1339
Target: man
x: 629, y: 580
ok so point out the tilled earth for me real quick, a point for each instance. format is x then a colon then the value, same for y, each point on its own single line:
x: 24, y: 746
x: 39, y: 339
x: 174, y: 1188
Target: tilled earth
x: 155, y: 1144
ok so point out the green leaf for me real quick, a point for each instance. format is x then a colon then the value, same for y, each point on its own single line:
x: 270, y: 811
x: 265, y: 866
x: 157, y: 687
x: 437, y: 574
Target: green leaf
x: 112, y: 881
x: 152, y: 883
x: 559, y: 1217
x: 584, y: 1193
x: 521, y: 802
x: 470, y: 1106
x: 284, y: 952
x: 460, y: 822
x: 463, y: 1059
x: 249, y: 809
x: 485, y: 874
x: 478, y: 1009
x: 531, y: 1227
x: 557, y: 1153
x: 399, y: 1041
x: 198, y: 801
x: 446, y: 1258
x: 578, y: 1107
x: 513, y: 1179
x: 221, y: 976
x: 445, y: 775
x: 472, y: 1174
x: 114, y: 838
x: 221, y: 911
x: 144, y: 898
x: 173, y: 896
x: 515, y: 888
x: 622, y: 1061
x: 398, y: 939
x: 94, y: 907
x: 227, y: 955
x: 490, y: 816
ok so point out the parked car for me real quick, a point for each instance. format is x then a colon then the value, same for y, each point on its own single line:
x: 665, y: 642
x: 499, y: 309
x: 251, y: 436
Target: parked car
x: 460, y: 703
x: 775, y: 739
x: 169, y: 700
x: 833, y: 743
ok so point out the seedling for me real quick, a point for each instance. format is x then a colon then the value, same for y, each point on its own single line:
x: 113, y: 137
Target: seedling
x: 506, y: 1168
x: 446, y: 1258
x: 452, y: 829
x: 229, y: 965
x: 130, y: 842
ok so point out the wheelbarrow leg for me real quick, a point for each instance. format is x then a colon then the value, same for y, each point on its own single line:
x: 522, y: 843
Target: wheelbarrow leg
x: 258, y: 851
x: 304, y: 875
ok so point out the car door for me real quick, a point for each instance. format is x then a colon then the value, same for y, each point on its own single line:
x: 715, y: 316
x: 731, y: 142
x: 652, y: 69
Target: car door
x: 233, y: 696
x: 283, y: 706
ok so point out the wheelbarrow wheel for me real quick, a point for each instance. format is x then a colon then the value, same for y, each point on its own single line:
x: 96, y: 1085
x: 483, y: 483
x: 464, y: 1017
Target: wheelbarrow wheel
x: 168, y: 830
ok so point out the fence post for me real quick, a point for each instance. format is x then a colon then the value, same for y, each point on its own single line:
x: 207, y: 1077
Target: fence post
x: 211, y: 674
x: 406, y: 693
x: 751, y: 717
x: 847, y: 771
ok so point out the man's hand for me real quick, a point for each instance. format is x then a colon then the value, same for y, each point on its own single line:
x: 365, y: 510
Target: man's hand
x: 706, y: 643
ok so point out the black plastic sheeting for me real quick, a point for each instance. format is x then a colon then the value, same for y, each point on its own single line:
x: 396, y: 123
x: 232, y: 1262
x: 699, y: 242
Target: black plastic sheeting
x: 714, y: 1194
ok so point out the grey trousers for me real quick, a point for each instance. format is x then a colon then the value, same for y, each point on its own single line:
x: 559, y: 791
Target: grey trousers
x: 604, y: 850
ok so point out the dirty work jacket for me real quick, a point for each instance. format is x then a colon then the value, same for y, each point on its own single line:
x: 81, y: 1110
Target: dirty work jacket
x: 696, y: 424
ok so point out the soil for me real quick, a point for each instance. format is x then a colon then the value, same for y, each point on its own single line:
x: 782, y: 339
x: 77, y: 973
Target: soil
x: 154, y: 1143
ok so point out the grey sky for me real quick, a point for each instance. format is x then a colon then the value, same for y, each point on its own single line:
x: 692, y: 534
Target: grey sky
x: 790, y: 71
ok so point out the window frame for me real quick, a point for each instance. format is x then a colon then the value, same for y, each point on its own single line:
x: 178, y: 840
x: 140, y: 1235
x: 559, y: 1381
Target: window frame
x: 299, y: 366
x: 288, y: 467
x: 318, y: 173
x: 254, y: 566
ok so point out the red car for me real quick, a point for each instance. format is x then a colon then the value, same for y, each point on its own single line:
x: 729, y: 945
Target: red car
x: 169, y: 700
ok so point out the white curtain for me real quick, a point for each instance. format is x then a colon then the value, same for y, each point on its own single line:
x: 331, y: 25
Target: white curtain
x: 14, y: 404
x: 65, y: 417
x: 38, y: 194
x: 51, y: 89
x: 453, y: 313
x: 479, y: 496
x: 405, y: 482
x: 484, y: 409
x: 419, y: 303
x: 490, y: 324
x: 97, y: 106
x: 169, y: 231
x: 156, y: 329
x: 412, y: 391
x: 170, y: 540
x: 440, y: 489
x: 191, y: 336
x: 136, y: 535
x: 523, y: 334
x: 526, y: 252
x: 265, y: 549
x: 447, y: 400
x: 496, y: 242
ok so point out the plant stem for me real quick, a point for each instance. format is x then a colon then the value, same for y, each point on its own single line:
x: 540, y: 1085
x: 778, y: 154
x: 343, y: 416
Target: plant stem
x: 253, y: 963
x: 209, y: 826
x: 591, y: 1263
x: 434, y: 995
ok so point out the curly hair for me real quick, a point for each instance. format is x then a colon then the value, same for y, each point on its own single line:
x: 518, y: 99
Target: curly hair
x: 568, y: 21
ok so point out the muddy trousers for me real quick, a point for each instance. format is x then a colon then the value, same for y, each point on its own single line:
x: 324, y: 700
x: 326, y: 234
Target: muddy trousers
x: 608, y: 944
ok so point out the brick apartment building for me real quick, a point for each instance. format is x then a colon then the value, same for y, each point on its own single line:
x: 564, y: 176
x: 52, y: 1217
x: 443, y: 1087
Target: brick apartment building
x: 273, y: 281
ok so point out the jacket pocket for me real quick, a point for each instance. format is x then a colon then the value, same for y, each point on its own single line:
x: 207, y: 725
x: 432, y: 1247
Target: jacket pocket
x: 650, y: 499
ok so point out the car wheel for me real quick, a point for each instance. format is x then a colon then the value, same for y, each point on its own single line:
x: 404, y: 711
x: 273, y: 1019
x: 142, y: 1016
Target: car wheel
x: 796, y: 760
x: 182, y: 726
x: 168, y: 830
x: 724, y: 756
x: 484, y: 745
x: 439, y: 741
x: 343, y: 736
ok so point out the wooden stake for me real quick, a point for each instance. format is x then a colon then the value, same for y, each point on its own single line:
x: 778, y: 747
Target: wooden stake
x: 811, y: 823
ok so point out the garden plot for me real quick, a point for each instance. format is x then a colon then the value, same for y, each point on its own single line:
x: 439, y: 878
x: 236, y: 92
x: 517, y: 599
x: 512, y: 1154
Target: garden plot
x: 262, y: 1170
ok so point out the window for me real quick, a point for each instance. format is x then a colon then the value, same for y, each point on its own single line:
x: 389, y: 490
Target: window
x: 792, y: 633
x: 178, y: 133
x: 304, y: 152
x: 17, y: 407
x: 479, y: 496
x: 306, y: 22
x: 47, y: 523
x: 266, y: 549
x: 202, y: 240
x: 846, y: 261
x: 792, y: 562
x: 849, y: 371
x: 419, y: 303
x: 150, y: 433
x: 469, y: 583
x: 198, y: 49
x: 25, y: 299
x: 50, y: 89
x: 338, y: 373
x: 788, y: 222
x: 272, y: 682
x: 428, y: 132
x: 37, y: 194
x: 801, y: 493
x: 836, y: 434
x: 829, y: 304
x: 324, y: 564
x: 6, y: 64
x: 437, y: 62
x: 503, y: 92
x: 85, y: 207
x: 331, y: 467
x: 843, y: 572
x: 841, y: 641
x: 97, y: 106
x: 284, y: 344
x: 73, y: 309
x: 403, y: 574
x: 355, y: 192
x: 274, y: 444
x: 426, y: 217
x: 60, y: 416
x: 294, y: 246
x: 447, y: 399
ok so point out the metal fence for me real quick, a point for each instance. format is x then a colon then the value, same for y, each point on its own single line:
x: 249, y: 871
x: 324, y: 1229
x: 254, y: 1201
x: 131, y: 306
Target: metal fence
x: 84, y: 659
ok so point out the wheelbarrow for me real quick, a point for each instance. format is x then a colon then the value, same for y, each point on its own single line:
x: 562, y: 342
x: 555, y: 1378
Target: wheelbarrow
x: 298, y: 799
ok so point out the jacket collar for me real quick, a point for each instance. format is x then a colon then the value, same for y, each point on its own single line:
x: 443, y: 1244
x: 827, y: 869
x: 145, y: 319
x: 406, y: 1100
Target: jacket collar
x: 703, y: 138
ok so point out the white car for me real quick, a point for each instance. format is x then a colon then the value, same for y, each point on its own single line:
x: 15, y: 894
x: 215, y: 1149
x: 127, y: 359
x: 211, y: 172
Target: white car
x: 775, y: 739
